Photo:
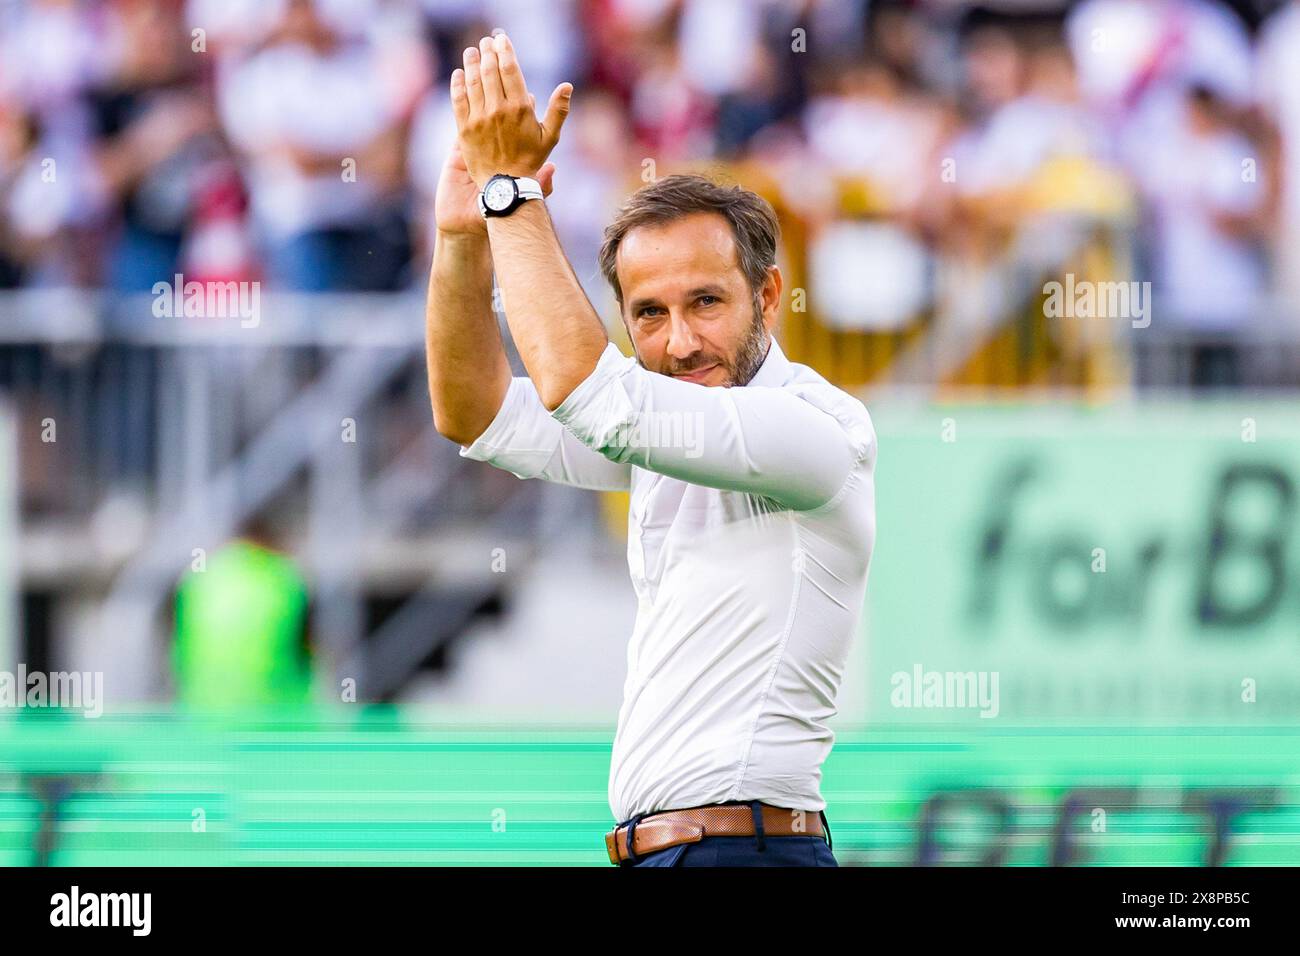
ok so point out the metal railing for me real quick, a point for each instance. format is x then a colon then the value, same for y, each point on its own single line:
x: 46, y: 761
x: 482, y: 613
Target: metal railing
x: 142, y: 438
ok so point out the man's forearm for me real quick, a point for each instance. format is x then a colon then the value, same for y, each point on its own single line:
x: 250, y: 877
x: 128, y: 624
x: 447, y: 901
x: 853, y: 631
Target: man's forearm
x: 468, y: 370
x: 557, y: 332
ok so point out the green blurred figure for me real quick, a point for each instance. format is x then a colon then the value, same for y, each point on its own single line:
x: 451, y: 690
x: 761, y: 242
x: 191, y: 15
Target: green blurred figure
x: 241, y: 628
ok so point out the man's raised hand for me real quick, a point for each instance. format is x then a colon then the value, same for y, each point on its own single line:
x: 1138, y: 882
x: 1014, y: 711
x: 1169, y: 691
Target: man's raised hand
x: 455, y: 207
x: 495, y: 113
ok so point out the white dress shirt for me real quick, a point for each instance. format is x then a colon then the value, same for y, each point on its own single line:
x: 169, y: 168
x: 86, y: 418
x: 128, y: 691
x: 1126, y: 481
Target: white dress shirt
x: 750, y: 533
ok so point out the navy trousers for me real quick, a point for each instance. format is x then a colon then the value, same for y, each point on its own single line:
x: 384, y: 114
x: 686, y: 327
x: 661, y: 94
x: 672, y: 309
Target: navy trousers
x: 754, y: 850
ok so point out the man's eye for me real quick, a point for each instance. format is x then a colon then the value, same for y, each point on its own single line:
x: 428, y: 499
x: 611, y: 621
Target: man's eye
x: 707, y: 299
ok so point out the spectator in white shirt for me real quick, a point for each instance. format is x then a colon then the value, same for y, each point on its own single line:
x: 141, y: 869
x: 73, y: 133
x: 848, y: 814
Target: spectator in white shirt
x: 752, y: 515
x: 1208, y: 269
x: 1136, y: 59
x: 317, y: 116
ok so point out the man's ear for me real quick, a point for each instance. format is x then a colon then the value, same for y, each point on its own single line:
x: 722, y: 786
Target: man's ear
x: 771, y: 296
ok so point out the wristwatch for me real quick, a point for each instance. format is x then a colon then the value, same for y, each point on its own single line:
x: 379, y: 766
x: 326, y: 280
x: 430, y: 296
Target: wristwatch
x: 501, y: 195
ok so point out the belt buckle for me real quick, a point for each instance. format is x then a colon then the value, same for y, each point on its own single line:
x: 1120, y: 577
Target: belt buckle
x: 687, y: 833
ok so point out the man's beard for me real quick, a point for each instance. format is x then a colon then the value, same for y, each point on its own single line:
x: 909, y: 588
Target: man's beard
x: 753, y: 351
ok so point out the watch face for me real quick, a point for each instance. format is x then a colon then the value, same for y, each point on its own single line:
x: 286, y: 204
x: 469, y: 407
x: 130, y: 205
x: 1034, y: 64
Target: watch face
x: 499, y: 194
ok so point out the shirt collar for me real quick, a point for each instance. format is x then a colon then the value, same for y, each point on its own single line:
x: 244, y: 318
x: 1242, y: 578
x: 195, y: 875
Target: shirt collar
x: 775, y: 368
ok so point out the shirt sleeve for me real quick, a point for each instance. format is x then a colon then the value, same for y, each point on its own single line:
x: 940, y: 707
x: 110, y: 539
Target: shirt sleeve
x: 797, y: 444
x: 526, y: 441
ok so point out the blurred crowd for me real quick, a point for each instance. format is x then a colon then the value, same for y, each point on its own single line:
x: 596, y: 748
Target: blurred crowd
x: 299, y: 142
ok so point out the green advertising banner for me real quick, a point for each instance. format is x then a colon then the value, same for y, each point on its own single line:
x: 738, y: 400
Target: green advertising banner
x: 1067, y: 565
x: 382, y: 786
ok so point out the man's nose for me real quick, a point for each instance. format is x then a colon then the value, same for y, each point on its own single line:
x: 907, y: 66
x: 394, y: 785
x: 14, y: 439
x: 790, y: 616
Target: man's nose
x: 682, y: 343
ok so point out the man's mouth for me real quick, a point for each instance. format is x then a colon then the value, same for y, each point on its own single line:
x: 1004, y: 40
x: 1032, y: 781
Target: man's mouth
x: 697, y: 375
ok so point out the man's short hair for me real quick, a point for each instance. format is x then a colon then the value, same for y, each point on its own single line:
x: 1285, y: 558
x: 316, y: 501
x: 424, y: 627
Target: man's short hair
x: 753, y: 222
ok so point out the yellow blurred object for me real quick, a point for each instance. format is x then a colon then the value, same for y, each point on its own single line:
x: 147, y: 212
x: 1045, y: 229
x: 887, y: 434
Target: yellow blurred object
x: 614, y: 507
x: 1079, y: 185
x: 859, y: 196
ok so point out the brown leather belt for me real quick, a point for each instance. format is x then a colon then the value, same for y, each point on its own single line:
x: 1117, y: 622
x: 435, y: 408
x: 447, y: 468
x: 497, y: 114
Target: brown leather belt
x: 658, y: 831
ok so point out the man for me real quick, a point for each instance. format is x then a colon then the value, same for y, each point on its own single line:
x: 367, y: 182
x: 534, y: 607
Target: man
x: 241, y: 626
x: 752, y: 499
